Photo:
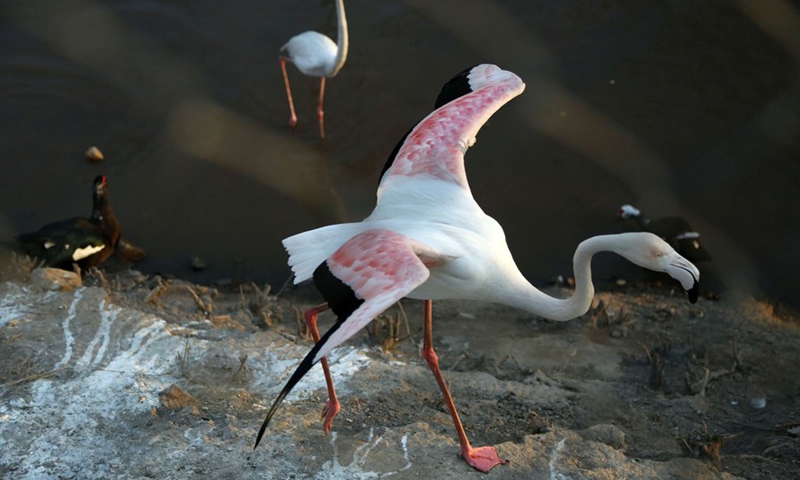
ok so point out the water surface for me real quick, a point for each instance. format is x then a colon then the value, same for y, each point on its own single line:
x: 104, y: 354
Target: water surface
x: 676, y: 107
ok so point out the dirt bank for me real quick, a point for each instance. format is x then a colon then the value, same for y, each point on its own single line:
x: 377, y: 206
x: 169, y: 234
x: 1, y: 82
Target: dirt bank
x: 128, y: 376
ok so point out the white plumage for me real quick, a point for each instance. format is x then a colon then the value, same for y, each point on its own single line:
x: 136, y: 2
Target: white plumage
x: 313, y: 53
x: 316, y: 55
x: 427, y: 238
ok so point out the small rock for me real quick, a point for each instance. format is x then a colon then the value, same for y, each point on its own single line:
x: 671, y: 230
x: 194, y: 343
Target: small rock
x: 53, y: 279
x: 758, y: 403
x: 94, y: 154
x: 226, y: 321
x: 198, y: 264
x: 607, y: 434
x: 174, y: 397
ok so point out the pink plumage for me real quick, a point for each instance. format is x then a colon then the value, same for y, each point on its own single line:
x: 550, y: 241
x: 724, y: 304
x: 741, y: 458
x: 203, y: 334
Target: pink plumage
x: 427, y: 238
x: 381, y: 267
x: 436, y: 146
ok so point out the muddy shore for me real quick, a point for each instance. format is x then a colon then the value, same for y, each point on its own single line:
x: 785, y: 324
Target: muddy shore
x: 123, y: 375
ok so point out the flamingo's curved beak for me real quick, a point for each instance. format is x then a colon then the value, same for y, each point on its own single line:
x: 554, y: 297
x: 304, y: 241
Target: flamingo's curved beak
x: 685, y: 272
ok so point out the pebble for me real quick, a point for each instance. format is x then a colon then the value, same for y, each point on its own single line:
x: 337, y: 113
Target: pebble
x: 174, y: 397
x: 94, y: 154
x: 758, y: 403
x: 606, y: 434
x: 199, y: 264
x: 54, y: 279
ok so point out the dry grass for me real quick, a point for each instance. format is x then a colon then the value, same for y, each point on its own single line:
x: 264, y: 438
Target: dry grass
x: 15, y: 267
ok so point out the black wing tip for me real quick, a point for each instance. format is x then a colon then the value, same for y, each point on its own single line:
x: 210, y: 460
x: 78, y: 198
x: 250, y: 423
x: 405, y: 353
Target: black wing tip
x: 273, y: 409
x: 393, y: 155
x: 298, y: 374
x: 456, y: 87
x: 694, y: 292
x: 261, y: 433
x: 340, y: 297
x: 302, y: 369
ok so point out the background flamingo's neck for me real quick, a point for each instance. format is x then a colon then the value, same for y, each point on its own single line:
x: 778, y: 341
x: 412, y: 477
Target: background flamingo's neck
x: 342, y: 41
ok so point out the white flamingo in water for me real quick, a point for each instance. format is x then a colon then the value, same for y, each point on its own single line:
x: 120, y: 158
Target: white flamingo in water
x: 428, y: 239
x: 316, y: 55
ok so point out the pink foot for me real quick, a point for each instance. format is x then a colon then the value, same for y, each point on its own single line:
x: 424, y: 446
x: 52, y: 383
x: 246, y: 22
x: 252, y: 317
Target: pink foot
x: 329, y: 412
x: 483, y: 458
x: 293, y: 122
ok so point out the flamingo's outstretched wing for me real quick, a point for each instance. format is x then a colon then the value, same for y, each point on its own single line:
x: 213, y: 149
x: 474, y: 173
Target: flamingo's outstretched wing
x: 435, y: 147
x: 364, y: 277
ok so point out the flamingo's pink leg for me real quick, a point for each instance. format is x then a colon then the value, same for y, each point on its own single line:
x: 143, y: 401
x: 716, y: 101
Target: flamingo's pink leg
x: 320, y: 112
x: 293, y: 118
x: 481, y: 458
x: 332, y: 406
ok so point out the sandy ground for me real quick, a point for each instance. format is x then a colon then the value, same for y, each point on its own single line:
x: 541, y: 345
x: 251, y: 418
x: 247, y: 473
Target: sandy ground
x: 129, y: 376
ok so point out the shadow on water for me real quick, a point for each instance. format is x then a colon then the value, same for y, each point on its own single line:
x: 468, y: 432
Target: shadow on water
x: 675, y: 107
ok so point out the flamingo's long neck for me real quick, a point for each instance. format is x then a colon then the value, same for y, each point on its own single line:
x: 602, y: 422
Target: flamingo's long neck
x: 342, y: 41
x: 530, y: 298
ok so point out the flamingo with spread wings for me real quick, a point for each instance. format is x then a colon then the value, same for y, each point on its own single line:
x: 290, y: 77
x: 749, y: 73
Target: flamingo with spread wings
x: 428, y: 239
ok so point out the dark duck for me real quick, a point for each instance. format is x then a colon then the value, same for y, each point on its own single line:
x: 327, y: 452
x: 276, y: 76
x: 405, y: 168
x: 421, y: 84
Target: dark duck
x: 674, y: 230
x: 87, y: 242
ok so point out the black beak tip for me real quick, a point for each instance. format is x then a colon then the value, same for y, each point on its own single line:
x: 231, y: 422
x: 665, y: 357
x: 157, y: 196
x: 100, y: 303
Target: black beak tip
x: 693, y: 292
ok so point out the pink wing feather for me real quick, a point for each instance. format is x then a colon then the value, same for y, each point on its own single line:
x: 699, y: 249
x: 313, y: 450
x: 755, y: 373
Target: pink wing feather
x: 381, y: 267
x: 436, y: 146
x: 377, y: 266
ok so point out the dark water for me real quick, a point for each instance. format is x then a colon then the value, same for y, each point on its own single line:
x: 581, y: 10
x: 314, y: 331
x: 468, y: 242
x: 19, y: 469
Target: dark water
x: 679, y: 107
